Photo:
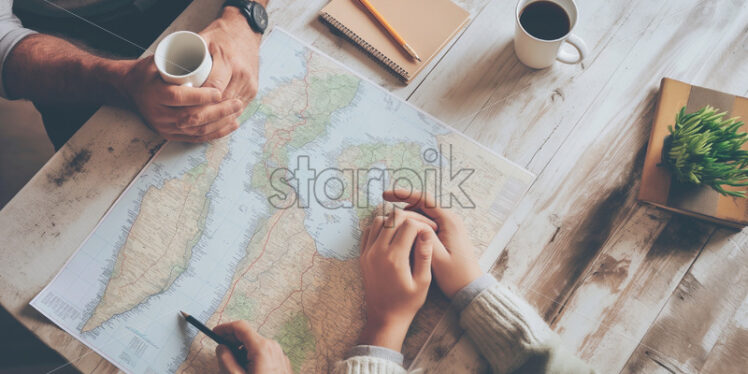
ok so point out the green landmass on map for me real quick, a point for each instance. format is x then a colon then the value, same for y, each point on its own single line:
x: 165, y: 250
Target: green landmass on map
x: 297, y: 340
x: 159, y: 244
x: 392, y: 156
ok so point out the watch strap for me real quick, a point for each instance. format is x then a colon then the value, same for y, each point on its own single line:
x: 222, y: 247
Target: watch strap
x: 253, y: 11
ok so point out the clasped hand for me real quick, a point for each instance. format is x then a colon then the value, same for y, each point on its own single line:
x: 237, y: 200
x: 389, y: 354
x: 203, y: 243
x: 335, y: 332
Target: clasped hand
x: 399, y: 253
x: 396, y: 286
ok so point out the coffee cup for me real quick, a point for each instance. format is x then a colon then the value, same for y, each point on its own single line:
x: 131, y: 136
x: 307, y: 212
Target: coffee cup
x: 541, y: 27
x: 182, y: 58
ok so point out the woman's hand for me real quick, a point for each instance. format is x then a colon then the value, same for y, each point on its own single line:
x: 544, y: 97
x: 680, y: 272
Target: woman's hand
x: 264, y: 355
x: 394, y: 289
x: 454, y: 263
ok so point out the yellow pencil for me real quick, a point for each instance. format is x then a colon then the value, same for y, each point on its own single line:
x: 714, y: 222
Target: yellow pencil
x: 399, y: 39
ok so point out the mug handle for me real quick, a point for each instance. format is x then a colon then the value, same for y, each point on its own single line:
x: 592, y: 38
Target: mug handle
x: 187, y: 84
x: 569, y: 58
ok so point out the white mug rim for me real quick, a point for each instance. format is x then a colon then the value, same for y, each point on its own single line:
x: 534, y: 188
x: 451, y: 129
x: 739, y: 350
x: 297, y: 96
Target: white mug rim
x: 528, y: 2
x: 159, y: 62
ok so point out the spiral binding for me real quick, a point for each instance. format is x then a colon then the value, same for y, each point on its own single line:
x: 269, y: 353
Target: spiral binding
x: 364, y: 45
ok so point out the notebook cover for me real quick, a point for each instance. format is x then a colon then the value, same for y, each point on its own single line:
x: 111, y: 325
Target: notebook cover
x: 427, y: 25
x: 658, y: 188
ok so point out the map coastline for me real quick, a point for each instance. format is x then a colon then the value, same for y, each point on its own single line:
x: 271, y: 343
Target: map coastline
x: 308, y: 279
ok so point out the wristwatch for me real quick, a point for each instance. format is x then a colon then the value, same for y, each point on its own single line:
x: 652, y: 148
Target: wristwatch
x: 253, y: 11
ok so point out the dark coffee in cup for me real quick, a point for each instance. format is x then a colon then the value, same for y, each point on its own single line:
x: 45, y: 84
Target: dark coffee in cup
x: 545, y: 20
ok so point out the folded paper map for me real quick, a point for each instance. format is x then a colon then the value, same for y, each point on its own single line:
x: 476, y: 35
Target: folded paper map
x: 264, y: 225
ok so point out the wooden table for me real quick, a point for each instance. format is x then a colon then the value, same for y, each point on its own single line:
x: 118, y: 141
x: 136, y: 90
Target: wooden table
x: 628, y: 287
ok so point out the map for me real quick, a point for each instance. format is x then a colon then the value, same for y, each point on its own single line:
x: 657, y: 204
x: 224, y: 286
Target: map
x: 264, y: 225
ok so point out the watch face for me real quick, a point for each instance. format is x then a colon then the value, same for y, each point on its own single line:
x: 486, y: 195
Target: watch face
x: 260, y: 17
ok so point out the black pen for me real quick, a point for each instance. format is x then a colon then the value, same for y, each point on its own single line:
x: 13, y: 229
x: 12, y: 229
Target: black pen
x: 240, y: 351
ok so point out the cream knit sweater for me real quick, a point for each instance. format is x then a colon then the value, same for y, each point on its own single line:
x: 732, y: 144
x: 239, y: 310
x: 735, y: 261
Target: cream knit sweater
x: 506, y: 330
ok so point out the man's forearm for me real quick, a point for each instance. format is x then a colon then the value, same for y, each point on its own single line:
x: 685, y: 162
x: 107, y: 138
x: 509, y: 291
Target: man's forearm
x: 47, y: 69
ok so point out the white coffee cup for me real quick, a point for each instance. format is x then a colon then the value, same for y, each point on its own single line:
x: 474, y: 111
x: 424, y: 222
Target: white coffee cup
x: 540, y: 53
x: 182, y: 58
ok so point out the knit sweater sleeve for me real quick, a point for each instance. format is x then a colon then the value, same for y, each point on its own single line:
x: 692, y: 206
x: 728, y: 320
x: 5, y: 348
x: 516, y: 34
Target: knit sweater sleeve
x: 367, y: 365
x: 368, y: 359
x: 512, y: 336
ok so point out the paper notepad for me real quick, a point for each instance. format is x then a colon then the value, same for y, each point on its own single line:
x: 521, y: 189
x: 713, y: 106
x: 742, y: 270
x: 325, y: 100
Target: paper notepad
x: 427, y: 25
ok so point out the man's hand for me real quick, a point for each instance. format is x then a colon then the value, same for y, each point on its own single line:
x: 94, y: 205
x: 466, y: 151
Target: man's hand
x: 454, y: 264
x: 235, y: 49
x: 46, y: 69
x: 189, y: 114
x: 394, y: 290
x: 264, y: 355
x: 211, y: 111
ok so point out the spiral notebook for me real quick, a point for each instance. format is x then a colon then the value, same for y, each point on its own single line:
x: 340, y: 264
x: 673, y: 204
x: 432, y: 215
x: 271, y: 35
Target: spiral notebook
x: 427, y: 25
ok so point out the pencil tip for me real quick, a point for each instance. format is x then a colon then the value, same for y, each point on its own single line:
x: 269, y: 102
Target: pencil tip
x: 185, y: 315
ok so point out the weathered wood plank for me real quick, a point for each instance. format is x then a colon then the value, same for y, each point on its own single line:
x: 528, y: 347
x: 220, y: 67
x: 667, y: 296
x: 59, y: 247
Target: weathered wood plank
x: 515, y: 109
x: 568, y: 225
x: 626, y: 286
x: 635, y: 308
x: 601, y: 151
x: 496, y: 69
x: 703, y: 326
x: 729, y: 354
x: 620, y: 295
x: 33, y: 249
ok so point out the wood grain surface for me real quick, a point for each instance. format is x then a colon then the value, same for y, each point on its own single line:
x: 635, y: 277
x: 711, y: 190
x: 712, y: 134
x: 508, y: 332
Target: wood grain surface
x: 630, y: 288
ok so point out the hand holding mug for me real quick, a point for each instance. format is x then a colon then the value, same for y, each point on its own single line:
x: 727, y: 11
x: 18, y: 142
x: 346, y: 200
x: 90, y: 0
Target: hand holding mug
x: 165, y: 89
x: 235, y: 48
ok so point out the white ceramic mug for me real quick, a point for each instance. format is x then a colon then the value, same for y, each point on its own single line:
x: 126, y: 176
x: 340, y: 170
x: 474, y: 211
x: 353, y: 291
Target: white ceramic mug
x: 540, y: 53
x: 182, y: 58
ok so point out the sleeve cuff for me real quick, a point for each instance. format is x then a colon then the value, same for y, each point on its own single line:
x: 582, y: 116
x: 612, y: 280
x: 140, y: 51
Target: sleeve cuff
x: 465, y: 296
x: 377, y: 352
x: 505, y: 328
x: 7, y: 43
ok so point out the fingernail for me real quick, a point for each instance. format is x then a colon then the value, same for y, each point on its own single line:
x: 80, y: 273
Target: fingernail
x: 216, y: 95
x: 424, y: 236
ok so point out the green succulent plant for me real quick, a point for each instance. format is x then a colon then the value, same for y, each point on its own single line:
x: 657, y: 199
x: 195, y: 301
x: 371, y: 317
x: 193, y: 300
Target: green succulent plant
x: 703, y: 148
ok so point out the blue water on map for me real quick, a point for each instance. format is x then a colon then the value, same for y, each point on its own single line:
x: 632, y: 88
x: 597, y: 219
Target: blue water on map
x: 151, y: 338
